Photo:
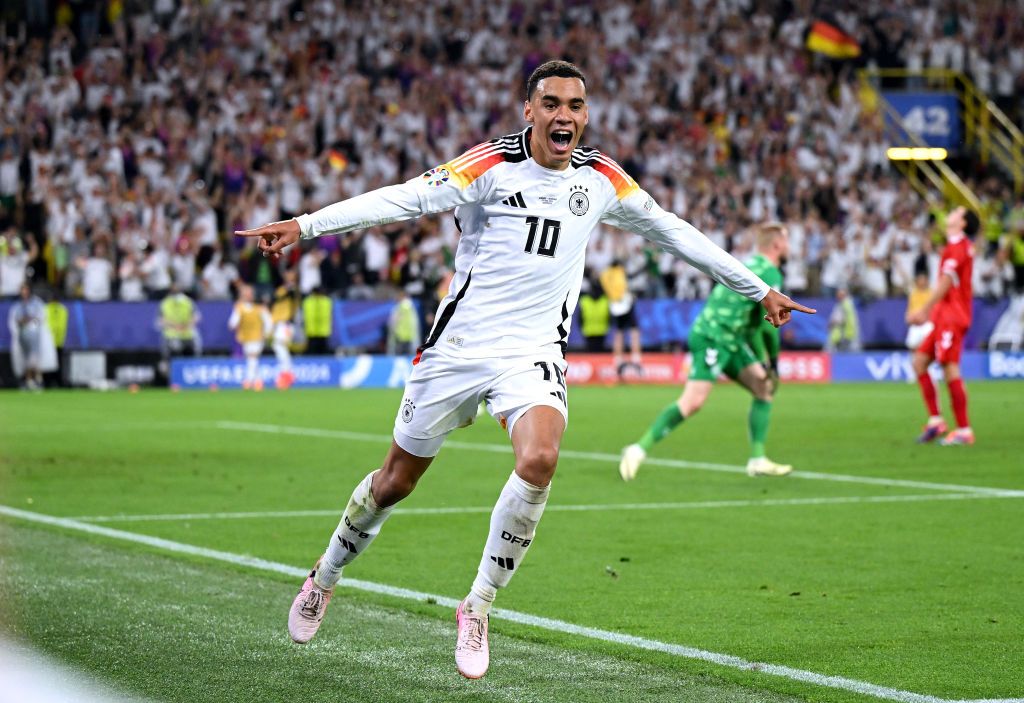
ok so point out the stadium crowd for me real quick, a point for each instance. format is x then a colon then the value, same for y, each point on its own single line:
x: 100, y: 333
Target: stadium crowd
x: 136, y: 136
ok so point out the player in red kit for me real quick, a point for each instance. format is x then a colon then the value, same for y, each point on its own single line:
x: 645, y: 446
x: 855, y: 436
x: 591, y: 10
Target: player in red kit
x: 949, y: 310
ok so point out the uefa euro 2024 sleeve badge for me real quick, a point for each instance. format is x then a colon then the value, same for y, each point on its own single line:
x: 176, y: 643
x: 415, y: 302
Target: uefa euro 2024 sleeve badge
x: 436, y: 176
x: 579, y: 203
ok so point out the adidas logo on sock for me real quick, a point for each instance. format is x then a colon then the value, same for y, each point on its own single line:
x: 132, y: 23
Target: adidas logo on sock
x: 504, y: 562
x: 347, y: 545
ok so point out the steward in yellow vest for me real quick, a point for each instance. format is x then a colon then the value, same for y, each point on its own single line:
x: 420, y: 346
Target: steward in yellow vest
x: 316, y: 317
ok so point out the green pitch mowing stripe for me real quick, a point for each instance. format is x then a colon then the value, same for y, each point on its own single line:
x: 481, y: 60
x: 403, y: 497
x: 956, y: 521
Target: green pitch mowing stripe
x: 487, y: 510
x: 614, y: 458
x: 188, y: 631
x: 838, y: 682
x: 918, y: 596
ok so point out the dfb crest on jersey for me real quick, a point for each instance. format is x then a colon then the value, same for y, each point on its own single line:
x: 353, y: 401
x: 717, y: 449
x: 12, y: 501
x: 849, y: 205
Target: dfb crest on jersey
x: 579, y: 203
x: 436, y: 176
x: 408, y: 408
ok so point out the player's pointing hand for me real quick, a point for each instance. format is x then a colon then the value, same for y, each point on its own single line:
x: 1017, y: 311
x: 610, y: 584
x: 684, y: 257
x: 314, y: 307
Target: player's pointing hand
x: 274, y: 237
x: 780, y: 308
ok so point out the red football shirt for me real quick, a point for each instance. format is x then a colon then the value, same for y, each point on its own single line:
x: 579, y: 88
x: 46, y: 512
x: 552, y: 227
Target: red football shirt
x: 957, y: 263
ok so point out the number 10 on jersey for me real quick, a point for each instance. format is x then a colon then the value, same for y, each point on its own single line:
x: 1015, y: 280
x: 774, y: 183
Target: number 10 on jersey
x: 549, y: 230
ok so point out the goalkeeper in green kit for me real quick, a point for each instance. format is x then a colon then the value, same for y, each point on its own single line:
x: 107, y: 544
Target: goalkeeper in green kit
x: 729, y: 337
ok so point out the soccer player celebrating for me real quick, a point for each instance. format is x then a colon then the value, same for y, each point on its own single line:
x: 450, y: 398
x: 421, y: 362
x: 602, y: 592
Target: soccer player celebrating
x: 949, y: 309
x: 722, y: 341
x: 526, y: 205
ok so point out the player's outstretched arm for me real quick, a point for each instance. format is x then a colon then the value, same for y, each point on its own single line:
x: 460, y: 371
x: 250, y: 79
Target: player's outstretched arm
x: 638, y: 212
x: 274, y: 237
x: 459, y: 182
x: 779, y: 308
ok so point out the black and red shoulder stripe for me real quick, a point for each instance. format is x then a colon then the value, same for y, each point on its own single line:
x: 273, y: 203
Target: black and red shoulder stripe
x: 586, y: 156
x: 511, y: 148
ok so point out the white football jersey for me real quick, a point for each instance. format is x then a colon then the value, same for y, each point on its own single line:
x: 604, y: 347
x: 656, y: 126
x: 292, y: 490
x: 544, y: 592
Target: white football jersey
x: 525, y: 229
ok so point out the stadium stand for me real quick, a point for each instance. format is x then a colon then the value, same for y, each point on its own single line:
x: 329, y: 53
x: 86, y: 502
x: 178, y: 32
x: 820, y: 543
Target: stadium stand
x: 135, y: 137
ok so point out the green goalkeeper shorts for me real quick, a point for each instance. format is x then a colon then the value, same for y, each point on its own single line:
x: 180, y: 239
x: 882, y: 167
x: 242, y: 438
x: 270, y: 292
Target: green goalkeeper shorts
x: 712, y: 358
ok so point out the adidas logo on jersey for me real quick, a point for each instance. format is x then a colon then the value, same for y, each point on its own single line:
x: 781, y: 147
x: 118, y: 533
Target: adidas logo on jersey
x: 515, y: 200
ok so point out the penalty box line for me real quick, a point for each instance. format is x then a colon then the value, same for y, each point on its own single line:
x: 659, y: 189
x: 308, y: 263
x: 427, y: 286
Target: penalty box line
x: 614, y: 458
x: 727, y: 660
x: 469, y: 510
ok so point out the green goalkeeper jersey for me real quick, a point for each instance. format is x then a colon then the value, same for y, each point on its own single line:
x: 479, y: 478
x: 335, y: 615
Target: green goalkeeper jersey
x: 731, y: 320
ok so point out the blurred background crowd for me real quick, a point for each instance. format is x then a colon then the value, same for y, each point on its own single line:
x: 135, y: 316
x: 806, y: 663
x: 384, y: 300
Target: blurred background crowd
x: 135, y: 137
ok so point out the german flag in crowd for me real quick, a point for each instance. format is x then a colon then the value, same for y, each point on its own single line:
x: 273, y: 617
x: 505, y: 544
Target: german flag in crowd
x: 828, y: 39
x: 337, y: 160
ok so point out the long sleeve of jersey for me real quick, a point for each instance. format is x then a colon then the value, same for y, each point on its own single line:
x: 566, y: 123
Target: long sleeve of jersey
x: 638, y: 212
x: 437, y: 190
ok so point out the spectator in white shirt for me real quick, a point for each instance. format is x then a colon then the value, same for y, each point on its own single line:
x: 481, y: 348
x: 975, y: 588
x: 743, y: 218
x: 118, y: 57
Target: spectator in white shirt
x: 130, y: 274
x: 97, y: 273
x: 219, y: 276
x: 902, y: 267
x: 10, y: 179
x: 290, y: 191
x: 156, y: 272
x: 183, y: 266
x: 309, y: 271
x: 15, y: 254
x: 837, y: 270
x: 377, y: 253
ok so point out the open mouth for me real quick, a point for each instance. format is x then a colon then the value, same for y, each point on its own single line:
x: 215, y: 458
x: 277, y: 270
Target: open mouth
x: 561, y: 138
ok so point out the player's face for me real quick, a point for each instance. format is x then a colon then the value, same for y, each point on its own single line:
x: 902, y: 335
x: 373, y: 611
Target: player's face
x: 558, y: 113
x: 955, y: 221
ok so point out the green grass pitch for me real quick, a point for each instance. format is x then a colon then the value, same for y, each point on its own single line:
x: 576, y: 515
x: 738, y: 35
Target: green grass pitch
x: 913, y: 582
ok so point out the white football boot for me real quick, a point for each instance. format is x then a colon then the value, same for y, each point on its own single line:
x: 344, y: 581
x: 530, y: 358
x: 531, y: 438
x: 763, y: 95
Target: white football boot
x: 763, y: 466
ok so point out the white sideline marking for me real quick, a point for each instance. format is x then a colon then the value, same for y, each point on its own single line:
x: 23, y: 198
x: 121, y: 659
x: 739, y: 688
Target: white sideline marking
x: 728, y: 660
x: 599, y: 456
x: 597, y: 507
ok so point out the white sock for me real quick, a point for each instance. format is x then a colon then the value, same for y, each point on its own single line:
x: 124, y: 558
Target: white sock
x: 284, y: 357
x: 513, y: 525
x: 359, y: 525
x: 252, y: 364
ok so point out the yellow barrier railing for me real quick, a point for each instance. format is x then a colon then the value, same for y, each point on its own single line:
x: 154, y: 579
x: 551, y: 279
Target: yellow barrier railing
x: 987, y: 130
x: 925, y: 176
